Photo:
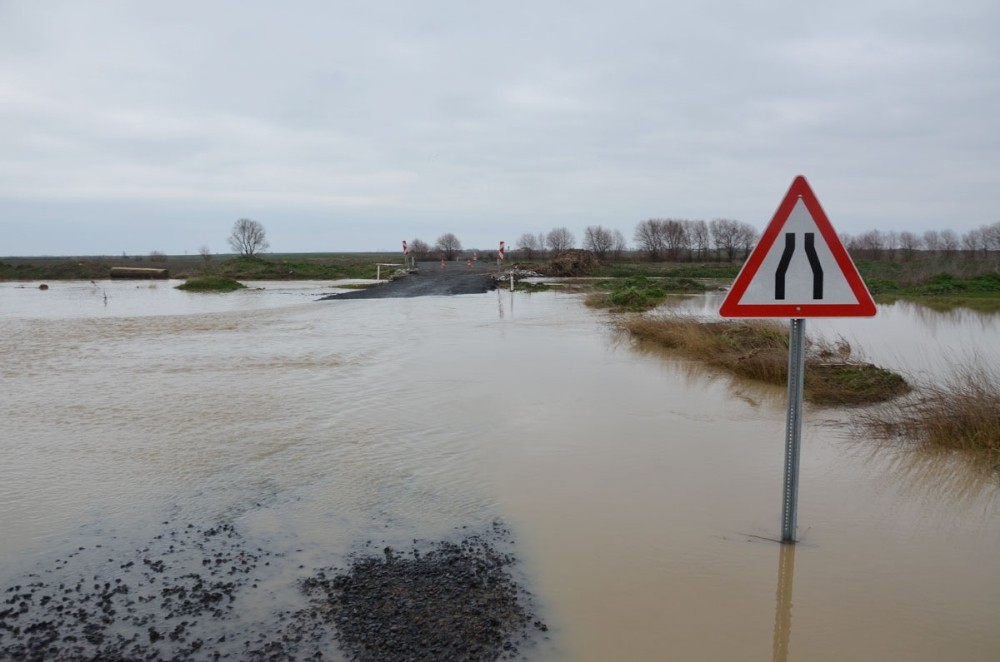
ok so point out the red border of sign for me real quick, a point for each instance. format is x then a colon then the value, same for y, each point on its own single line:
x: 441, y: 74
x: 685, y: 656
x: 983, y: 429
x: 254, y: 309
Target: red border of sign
x: 732, y: 307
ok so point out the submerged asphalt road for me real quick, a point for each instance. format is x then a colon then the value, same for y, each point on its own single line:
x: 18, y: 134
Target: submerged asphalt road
x: 431, y: 279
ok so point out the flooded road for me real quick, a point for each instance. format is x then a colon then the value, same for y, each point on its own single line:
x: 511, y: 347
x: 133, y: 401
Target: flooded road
x: 640, y: 489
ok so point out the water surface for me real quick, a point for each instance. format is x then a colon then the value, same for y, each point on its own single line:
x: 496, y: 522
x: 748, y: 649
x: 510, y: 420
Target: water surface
x: 640, y: 488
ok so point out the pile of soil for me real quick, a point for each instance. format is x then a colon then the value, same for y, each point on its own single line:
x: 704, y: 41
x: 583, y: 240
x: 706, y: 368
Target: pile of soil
x: 199, y: 594
x: 575, y: 262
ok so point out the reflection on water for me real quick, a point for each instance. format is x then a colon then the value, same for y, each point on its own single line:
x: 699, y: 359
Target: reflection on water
x: 701, y: 375
x: 783, y: 602
x: 932, y: 475
x: 632, y: 481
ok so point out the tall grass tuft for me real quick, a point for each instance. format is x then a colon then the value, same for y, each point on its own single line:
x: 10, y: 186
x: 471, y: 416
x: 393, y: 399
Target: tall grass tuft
x: 962, y: 413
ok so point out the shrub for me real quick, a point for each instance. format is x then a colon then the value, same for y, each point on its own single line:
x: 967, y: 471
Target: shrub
x: 210, y: 284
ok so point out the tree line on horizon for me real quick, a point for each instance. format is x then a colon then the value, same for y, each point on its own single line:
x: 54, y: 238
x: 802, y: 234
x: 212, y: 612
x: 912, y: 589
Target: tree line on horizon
x: 677, y: 240
x: 656, y: 238
x: 724, y: 240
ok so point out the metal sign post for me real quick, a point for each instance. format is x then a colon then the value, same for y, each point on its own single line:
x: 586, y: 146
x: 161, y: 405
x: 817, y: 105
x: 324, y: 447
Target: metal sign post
x: 793, y: 428
x: 798, y: 269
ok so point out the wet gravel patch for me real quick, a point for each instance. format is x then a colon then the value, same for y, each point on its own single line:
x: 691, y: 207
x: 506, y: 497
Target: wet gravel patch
x: 453, y: 602
x: 201, y: 594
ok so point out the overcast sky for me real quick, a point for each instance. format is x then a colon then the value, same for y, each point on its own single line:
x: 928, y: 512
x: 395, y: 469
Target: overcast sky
x: 344, y: 126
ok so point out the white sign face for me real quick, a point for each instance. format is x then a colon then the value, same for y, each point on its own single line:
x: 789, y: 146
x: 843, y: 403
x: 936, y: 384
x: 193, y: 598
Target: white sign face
x: 799, y: 266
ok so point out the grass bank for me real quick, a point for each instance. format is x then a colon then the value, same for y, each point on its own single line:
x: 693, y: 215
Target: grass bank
x: 936, y: 283
x: 295, y: 268
x: 759, y: 350
x: 725, y: 271
x: 270, y: 267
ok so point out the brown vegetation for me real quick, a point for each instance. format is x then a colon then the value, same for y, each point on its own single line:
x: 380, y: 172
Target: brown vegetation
x: 574, y: 262
x: 961, y: 414
x: 758, y: 350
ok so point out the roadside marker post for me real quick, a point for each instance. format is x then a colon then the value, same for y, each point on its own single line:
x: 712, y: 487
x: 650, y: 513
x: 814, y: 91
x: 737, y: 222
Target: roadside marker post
x: 778, y: 280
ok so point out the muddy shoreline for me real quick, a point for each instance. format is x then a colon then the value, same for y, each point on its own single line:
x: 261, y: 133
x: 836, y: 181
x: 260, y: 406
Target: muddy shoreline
x: 199, y: 594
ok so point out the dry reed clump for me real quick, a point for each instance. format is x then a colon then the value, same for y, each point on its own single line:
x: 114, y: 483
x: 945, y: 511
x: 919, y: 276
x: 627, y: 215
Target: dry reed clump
x: 963, y: 413
x: 758, y: 350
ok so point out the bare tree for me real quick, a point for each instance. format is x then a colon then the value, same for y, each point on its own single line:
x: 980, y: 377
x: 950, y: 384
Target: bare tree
x: 419, y: 249
x: 932, y: 241
x: 248, y: 238
x: 991, y: 236
x: 449, y: 246
x: 891, y: 243
x: 649, y: 237
x: 972, y: 241
x: 674, y: 237
x: 618, y: 245
x: 598, y: 240
x: 529, y: 245
x: 870, y: 244
x: 949, y: 241
x: 699, y: 238
x: 206, y: 254
x: 909, y: 243
x: 747, y: 237
x: 852, y: 244
x: 727, y: 237
x: 560, y: 239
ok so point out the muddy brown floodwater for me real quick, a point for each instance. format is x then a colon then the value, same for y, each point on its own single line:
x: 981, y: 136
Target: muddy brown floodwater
x: 635, y: 493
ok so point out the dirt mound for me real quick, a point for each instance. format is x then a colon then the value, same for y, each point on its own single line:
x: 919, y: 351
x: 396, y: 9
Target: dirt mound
x: 573, y: 262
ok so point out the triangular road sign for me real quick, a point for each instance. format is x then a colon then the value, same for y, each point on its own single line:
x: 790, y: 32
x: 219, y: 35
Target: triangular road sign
x: 799, y: 268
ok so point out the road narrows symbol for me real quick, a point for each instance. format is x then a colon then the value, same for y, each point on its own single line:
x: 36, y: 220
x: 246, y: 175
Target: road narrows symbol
x: 814, y: 264
x: 786, y: 258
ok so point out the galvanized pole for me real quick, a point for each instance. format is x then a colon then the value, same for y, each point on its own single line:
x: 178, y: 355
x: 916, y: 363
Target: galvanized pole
x: 793, y: 428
